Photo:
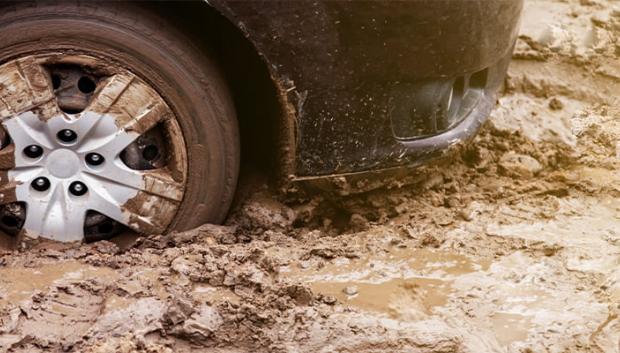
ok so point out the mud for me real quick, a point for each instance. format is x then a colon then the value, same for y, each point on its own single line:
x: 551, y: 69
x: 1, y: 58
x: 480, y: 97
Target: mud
x: 510, y: 245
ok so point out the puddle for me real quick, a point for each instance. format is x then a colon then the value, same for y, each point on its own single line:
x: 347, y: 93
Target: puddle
x: 398, y: 298
x: 413, y: 284
x: 19, y: 284
x: 518, y: 308
x: 509, y: 328
x: 403, y: 284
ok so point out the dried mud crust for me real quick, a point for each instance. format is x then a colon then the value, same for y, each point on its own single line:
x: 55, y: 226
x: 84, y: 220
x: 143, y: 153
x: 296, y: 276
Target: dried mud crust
x: 511, y: 245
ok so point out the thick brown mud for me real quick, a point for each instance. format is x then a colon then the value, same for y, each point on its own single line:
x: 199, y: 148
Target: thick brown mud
x: 510, y: 245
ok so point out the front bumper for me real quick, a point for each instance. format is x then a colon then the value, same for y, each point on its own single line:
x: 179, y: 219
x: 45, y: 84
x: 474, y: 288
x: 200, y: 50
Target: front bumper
x: 461, y: 121
x: 361, y: 76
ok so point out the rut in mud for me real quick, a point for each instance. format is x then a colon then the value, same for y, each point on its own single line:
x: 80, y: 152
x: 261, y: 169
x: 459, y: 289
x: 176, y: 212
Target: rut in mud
x: 511, y: 245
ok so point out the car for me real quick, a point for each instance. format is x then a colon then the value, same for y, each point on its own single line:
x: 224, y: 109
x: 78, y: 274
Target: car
x: 136, y: 116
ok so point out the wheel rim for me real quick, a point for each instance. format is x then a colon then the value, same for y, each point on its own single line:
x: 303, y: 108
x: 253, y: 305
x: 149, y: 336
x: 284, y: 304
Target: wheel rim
x: 88, y: 150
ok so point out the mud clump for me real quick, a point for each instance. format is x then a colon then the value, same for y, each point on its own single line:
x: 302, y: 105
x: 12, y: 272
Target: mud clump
x: 519, y: 165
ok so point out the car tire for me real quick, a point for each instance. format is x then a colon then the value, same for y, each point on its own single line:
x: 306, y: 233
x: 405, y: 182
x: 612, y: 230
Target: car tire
x: 149, y: 46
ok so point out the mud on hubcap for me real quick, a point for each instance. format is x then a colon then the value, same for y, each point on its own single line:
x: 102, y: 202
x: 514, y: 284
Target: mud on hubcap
x: 86, y: 152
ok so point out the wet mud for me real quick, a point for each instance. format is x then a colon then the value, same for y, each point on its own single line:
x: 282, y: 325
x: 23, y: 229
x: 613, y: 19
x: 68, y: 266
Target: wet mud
x: 510, y: 245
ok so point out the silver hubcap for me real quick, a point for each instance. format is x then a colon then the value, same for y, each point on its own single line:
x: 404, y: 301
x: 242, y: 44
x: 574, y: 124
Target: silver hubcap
x: 63, y: 166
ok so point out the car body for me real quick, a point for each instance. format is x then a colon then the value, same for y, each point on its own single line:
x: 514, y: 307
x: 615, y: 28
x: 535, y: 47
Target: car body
x: 136, y: 117
x: 372, y: 85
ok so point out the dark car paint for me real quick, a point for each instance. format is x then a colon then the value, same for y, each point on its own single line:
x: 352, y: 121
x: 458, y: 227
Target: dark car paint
x: 340, y: 66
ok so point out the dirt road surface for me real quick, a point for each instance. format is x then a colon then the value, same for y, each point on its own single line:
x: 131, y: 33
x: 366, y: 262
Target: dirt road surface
x: 511, y: 245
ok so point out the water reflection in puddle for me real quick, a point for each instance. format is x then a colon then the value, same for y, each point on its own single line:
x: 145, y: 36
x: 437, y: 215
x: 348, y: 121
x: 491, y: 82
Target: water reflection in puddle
x: 410, y: 284
x: 404, y: 283
x: 510, y: 328
x: 399, y: 298
x: 20, y: 283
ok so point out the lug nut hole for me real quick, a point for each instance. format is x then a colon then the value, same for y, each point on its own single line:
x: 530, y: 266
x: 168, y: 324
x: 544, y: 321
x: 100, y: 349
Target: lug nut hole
x: 40, y: 184
x: 78, y: 188
x: 94, y: 159
x: 66, y: 135
x: 105, y: 227
x: 9, y: 221
x: 86, y: 85
x: 33, y: 151
x: 150, y: 152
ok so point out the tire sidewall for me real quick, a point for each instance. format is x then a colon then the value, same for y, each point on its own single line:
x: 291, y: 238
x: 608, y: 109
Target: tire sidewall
x: 188, y: 81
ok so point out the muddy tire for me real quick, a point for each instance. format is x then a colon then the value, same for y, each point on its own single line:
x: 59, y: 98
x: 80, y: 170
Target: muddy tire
x: 145, y: 44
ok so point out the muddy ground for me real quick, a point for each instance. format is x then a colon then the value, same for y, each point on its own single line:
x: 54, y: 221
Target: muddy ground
x: 510, y: 245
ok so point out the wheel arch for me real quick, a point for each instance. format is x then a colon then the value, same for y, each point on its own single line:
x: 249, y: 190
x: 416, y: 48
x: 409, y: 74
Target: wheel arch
x: 266, y: 117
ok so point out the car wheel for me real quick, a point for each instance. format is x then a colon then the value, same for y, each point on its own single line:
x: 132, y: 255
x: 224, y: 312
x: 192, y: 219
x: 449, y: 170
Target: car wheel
x: 113, y: 120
